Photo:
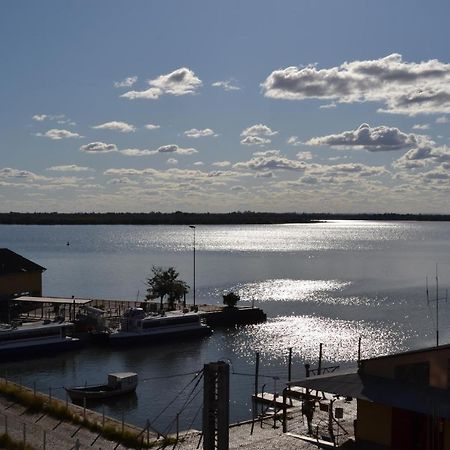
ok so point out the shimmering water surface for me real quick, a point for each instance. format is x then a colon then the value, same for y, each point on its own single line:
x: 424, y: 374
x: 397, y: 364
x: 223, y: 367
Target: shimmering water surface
x: 329, y: 282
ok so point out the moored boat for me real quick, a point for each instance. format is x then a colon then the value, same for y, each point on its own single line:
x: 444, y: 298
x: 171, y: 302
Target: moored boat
x: 136, y: 327
x: 118, y: 384
x: 36, y: 338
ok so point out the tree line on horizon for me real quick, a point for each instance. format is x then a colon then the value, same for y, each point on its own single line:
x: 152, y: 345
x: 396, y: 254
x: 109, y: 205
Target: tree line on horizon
x: 184, y: 218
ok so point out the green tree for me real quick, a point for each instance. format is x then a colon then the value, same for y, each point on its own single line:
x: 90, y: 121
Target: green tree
x: 164, y: 282
x: 230, y: 299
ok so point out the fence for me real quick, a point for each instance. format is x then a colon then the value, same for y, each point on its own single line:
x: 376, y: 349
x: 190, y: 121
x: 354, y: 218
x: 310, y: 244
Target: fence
x: 46, y: 427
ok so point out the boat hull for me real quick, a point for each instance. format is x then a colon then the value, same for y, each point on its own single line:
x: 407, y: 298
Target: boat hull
x: 125, y: 338
x: 31, y: 349
x: 78, y: 394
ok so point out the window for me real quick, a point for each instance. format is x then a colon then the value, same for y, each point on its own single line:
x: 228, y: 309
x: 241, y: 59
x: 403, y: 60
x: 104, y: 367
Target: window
x: 417, y: 373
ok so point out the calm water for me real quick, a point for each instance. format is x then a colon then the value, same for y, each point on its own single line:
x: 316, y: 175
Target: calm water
x: 330, y: 283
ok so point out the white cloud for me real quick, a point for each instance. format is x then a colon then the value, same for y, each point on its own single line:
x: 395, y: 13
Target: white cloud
x: 350, y: 169
x: 123, y: 127
x: 39, y: 117
x: 194, y: 133
x: 257, y: 135
x: 171, y: 148
x: 328, y: 106
x: 293, y: 140
x: 198, y: 163
x: 98, y: 147
x: 57, y: 134
x: 182, y: 81
x: 305, y: 156
x: 421, y: 126
x: 226, y: 85
x: 255, y: 140
x: 442, y: 119
x: 23, y: 175
x: 70, y: 168
x: 137, y: 152
x: 148, y: 94
x: 151, y: 126
x: 374, y: 139
x: 258, y: 130
x: 172, y: 161
x: 269, y: 163
x: 221, y: 164
x: 403, y: 87
x: 127, y: 82
x: 267, y: 153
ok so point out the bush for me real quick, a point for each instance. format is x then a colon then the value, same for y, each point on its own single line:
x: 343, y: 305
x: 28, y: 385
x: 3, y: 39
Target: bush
x: 230, y: 299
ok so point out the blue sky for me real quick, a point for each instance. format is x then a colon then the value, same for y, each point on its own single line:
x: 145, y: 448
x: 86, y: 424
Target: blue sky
x: 334, y: 106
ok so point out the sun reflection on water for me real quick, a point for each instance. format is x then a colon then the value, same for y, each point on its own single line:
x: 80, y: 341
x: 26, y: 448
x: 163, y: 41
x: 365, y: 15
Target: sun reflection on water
x: 304, y: 333
x: 288, y: 289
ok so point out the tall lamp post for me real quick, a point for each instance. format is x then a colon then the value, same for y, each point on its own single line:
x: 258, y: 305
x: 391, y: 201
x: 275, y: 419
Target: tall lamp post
x: 193, y: 228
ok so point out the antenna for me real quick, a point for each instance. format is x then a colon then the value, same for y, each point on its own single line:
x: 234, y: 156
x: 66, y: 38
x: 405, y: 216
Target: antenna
x: 437, y: 300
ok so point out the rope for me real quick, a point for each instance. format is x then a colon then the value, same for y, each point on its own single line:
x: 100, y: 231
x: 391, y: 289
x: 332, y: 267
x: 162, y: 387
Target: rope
x: 176, y: 397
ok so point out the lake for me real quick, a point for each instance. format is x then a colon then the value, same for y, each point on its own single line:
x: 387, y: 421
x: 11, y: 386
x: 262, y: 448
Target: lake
x: 327, y: 283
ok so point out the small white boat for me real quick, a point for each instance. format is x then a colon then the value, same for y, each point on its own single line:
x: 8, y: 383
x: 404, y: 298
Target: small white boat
x: 118, y: 384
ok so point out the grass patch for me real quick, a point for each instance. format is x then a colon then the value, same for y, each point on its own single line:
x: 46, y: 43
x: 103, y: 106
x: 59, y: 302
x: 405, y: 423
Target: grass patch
x: 40, y: 403
x: 9, y: 444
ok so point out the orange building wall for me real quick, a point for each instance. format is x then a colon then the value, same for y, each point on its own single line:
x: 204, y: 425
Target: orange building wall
x: 374, y: 423
x: 439, y: 365
x: 18, y: 283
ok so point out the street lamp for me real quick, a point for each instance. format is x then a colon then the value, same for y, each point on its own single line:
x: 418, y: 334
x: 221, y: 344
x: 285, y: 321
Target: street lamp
x: 193, y: 228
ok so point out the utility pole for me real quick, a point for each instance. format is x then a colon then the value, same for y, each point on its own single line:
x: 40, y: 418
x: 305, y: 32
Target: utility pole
x: 193, y: 228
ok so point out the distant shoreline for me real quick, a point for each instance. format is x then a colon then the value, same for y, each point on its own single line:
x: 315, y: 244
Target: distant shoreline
x: 182, y: 218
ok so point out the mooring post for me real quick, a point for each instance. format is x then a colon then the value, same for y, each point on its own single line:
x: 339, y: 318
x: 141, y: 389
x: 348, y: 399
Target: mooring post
x: 24, y: 434
x: 49, y: 395
x: 148, y: 432
x: 103, y: 416
x: 216, y: 412
x: 67, y: 401
x: 34, y: 389
x: 359, y: 351
x: 319, y: 367
x: 178, y: 420
x: 84, y: 408
x: 255, y: 396
x: 123, y: 422
x: 6, y: 424
x: 256, y: 374
x: 44, y: 441
x: 290, y: 364
x: 285, y: 410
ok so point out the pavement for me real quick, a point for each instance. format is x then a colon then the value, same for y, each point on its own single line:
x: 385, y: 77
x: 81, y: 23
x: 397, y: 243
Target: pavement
x: 43, y: 432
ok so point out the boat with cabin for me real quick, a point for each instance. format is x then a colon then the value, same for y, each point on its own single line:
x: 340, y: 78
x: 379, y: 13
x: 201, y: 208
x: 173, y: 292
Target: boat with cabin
x: 137, y: 326
x: 118, y: 384
x: 35, y: 338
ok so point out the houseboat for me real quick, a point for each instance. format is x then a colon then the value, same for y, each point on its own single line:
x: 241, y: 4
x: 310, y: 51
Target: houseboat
x: 136, y: 326
x: 36, y: 338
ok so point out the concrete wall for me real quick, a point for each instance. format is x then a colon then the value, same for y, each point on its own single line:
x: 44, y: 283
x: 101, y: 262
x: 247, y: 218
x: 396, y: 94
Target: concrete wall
x: 19, y: 283
x: 374, y: 423
x: 438, y: 359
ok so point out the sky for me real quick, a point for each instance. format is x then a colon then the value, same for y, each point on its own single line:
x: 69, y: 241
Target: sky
x: 290, y: 106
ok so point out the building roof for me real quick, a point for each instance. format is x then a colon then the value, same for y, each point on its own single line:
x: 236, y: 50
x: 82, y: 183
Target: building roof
x: 60, y: 300
x: 11, y: 262
x: 421, y: 399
